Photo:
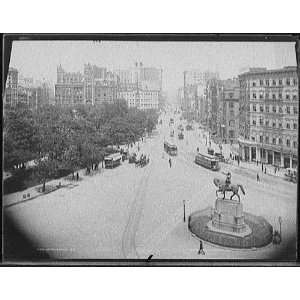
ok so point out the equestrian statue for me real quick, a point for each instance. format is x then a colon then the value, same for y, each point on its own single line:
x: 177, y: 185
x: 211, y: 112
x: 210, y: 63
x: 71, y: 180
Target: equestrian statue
x: 226, y: 186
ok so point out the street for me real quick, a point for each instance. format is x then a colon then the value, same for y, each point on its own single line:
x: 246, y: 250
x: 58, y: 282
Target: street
x: 131, y: 212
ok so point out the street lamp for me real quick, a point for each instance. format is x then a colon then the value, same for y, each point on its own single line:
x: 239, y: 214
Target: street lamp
x: 183, y: 210
x: 280, y: 222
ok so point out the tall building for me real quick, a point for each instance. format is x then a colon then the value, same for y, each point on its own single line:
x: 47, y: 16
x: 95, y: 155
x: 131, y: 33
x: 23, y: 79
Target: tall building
x: 141, y: 86
x: 195, y: 92
x: 92, y: 73
x: 11, y: 89
x: 69, y: 89
x: 230, y: 120
x: 269, y: 116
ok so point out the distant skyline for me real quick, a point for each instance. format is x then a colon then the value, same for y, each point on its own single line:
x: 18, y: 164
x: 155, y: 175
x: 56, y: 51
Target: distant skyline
x: 39, y: 59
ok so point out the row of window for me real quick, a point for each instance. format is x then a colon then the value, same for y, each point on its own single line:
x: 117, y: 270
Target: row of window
x: 274, y: 96
x: 274, y: 82
x: 275, y: 109
x: 275, y: 141
x: 273, y: 124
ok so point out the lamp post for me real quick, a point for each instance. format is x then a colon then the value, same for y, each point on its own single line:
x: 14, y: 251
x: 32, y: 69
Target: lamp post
x: 183, y: 210
x: 280, y: 221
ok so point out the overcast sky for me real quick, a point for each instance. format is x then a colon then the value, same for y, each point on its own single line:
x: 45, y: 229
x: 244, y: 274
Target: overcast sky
x: 39, y: 59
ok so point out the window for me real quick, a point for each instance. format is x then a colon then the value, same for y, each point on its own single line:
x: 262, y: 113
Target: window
x: 280, y: 109
x: 231, y: 105
x: 295, y: 125
x: 267, y: 96
x: 267, y: 139
x: 261, y: 96
x: 253, y: 83
x: 254, y: 96
x: 267, y: 122
x: 280, y: 96
x: 261, y: 139
x: 261, y: 82
x: 294, y: 97
x: 267, y: 82
x: 261, y: 121
x: 274, y: 82
x: 274, y: 124
x: 254, y: 122
x: 288, y: 126
x: 288, y: 143
x: 294, y: 81
x: 261, y: 108
x: 288, y: 81
x: 288, y: 110
x: 280, y: 141
x: 267, y: 108
x: 280, y: 125
x: 295, y: 110
x: 274, y: 141
x: 253, y: 138
x: 287, y: 97
x: 254, y: 107
x: 274, y: 109
x: 295, y: 144
x: 273, y: 96
x: 280, y: 81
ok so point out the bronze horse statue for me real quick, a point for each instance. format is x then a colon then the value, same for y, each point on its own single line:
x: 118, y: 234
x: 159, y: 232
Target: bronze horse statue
x: 223, y: 187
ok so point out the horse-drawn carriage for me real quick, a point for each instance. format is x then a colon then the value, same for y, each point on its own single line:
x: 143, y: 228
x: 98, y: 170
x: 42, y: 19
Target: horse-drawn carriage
x: 132, y: 158
x: 142, y: 162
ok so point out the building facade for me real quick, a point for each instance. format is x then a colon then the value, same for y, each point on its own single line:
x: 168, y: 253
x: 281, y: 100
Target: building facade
x: 269, y: 116
x: 69, y: 89
x: 11, y: 89
x: 230, y: 121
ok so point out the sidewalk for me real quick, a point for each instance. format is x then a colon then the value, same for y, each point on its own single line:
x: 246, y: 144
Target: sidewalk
x: 51, y: 186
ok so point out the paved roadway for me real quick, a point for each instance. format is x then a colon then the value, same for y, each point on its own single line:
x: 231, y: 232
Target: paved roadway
x: 133, y: 212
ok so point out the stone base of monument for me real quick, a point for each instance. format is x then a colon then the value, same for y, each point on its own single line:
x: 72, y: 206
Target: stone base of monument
x: 228, y: 217
x: 249, y: 232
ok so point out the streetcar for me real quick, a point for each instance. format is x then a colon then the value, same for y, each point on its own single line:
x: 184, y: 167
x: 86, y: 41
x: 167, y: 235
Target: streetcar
x: 171, y: 149
x: 112, y: 160
x: 207, y: 161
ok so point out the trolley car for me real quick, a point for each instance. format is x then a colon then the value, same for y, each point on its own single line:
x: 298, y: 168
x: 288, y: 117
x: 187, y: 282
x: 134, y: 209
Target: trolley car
x: 170, y: 148
x: 207, y: 161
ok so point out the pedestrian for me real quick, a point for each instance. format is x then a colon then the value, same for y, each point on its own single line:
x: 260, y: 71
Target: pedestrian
x: 170, y: 162
x: 274, y: 170
x: 265, y: 170
x: 230, y: 155
x: 262, y: 167
x: 257, y: 177
x: 201, y: 250
x: 77, y: 176
x: 257, y: 162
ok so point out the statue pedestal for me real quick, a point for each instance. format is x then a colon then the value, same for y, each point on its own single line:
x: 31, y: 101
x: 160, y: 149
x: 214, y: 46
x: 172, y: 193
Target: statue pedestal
x: 228, y: 218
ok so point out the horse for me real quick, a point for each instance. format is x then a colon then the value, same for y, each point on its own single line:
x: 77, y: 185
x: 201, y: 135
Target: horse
x: 228, y: 188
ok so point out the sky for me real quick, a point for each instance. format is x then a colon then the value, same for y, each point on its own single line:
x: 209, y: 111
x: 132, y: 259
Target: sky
x: 39, y: 59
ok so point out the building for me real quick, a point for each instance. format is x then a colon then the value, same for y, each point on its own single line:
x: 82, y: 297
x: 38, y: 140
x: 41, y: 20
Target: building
x: 104, y: 91
x: 141, y: 87
x: 269, y: 103
x: 230, y: 118
x: 11, y: 89
x: 195, y: 98
x: 92, y: 73
x: 69, y: 89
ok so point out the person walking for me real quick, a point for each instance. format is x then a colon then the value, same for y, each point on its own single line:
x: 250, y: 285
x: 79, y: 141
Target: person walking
x: 265, y: 170
x: 201, y: 250
x: 257, y: 162
x: 170, y: 162
x: 262, y: 167
x: 257, y: 177
x: 77, y: 176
